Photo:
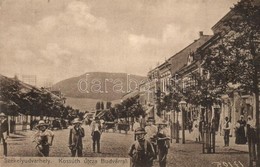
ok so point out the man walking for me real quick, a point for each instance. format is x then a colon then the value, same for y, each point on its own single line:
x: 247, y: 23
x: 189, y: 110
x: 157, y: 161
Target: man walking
x: 75, y: 138
x: 226, y: 128
x: 4, y: 131
x: 96, y: 134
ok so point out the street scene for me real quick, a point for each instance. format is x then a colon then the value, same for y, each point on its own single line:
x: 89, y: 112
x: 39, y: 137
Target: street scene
x: 145, y: 83
x: 189, y: 154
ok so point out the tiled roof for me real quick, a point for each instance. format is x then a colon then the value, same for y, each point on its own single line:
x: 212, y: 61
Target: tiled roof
x: 180, y: 59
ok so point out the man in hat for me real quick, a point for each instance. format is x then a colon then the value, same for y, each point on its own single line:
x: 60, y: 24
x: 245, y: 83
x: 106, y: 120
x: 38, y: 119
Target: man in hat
x: 135, y: 126
x: 151, y: 132
x: 226, y: 128
x: 44, y: 138
x: 4, y: 131
x: 75, y: 138
x: 163, y: 142
x: 96, y: 134
x: 141, y: 151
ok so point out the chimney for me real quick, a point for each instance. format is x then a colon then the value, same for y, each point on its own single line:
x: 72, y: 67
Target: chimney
x: 201, y: 33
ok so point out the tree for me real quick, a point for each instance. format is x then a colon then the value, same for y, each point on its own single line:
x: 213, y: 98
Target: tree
x: 102, y: 105
x: 109, y: 104
x: 234, y: 57
x: 98, y: 106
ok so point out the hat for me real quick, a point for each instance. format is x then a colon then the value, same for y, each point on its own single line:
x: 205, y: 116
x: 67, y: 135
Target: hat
x: 42, y: 123
x: 2, y: 115
x: 140, y: 130
x: 150, y: 119
x: 162, y: 122
x: 241, y: 116
x: 76, y: 120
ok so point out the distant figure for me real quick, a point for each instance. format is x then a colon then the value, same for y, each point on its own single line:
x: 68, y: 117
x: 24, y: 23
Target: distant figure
x: 190, y: 125
x: 135, y: 126
x: 240, y: 131
x: 151, y: 134
x: 32, y: 124
x: 96, y: 134
x: 142, y: 121
x: 195, y: 130
x: 75, y: 138
x: 226, y: 128
x: 163, y: 142
x: 201, y: 123
x: 4, y: 131
x: 251, y: 137
x: 141, y: 151
x: 44, y: 138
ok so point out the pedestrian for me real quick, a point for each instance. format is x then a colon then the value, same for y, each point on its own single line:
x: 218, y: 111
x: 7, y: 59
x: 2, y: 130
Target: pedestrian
x: 190, y: 124
x: 96, y: 134
x: 226, y: 128
x: 135, y: 126
x: 201, y: 124
x: 163, y: 142
x: 141, y: 151
x: 142, y: 121
x: 4, y: 133
x: 75, y: 138
x: 251, y: 137
x: 195, y: 130
x: 44, y: 138
x: 240, y: 131
x: 151, y: 134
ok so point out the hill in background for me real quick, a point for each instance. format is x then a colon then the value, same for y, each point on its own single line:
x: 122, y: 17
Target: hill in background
x: 99, y: 85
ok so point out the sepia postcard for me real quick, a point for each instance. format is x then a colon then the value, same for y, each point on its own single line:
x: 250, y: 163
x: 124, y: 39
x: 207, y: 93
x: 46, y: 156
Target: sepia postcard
x: 125, y: 83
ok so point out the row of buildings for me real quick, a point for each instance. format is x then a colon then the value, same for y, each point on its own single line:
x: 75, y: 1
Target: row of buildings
x: 178, y: 69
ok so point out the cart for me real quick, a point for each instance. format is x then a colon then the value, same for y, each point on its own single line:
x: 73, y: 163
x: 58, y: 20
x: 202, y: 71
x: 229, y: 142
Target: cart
x: 123, y: 126
x: 109, y: 125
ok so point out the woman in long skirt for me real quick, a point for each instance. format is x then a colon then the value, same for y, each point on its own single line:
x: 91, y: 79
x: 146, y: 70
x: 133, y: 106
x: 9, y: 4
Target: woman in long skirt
x: 240, y: 131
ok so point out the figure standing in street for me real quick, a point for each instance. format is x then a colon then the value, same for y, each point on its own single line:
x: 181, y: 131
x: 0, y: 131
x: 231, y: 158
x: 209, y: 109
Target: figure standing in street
x: 195, y: 129
x: 96, y: 134
x: 163, y: 142
x: 141, y: 151
x: 4, y: 131
x: 75, y: 138
x: 252, y: 138
x: 201, y: 124
x: 226, y: 128
x: 240, y: 131
x: 135, y: 126
x: 44, y: 138
x: 151, y: 134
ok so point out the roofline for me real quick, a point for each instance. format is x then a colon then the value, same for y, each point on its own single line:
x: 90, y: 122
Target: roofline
x: 188, y: 46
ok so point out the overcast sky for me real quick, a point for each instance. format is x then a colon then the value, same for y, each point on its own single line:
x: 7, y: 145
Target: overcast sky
x: 58, y: 39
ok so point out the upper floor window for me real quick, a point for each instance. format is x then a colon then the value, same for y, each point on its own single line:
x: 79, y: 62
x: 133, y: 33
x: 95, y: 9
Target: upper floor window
x: 190, y: 58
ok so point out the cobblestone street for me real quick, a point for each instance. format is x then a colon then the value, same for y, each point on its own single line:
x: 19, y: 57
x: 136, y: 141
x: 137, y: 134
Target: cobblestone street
x: 117, y: 145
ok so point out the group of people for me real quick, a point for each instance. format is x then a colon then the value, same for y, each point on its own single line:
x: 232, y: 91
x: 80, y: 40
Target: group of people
x: 150, y: 142
x: 44, y: 137
x: 244, y: 131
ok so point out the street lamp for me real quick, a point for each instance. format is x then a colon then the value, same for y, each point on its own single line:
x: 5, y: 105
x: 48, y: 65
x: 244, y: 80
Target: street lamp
x: 182, y: 105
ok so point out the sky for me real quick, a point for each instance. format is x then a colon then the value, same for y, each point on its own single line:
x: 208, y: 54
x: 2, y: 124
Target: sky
x: 59, y: 39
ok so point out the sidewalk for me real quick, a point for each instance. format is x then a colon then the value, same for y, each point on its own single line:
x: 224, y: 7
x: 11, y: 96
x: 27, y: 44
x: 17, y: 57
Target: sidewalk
x: 220, y: 142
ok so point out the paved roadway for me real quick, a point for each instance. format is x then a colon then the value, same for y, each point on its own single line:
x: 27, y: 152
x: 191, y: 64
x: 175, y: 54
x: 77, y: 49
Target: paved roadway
x: 117, y: 145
